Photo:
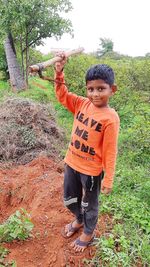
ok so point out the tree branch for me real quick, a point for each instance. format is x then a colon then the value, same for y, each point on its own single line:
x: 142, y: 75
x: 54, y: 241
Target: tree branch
x: 33, y: 42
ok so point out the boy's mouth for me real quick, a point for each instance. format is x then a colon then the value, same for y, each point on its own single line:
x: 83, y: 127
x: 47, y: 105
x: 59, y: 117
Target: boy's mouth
x: 96, y: 100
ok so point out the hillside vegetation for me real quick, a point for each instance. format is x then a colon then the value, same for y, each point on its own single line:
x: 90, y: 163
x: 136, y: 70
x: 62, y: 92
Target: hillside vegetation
x: 126, y: 242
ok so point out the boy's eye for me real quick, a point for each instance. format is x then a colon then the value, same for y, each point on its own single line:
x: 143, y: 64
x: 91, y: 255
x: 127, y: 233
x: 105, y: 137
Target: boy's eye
x: 90, y: 89
x: 100, y: 89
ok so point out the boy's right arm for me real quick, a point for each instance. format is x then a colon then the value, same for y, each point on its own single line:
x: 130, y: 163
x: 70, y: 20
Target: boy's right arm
x: 67, y: 99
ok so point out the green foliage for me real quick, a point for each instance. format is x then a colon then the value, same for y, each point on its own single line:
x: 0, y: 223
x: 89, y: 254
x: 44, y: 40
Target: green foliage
x: 18, y: 226
x: 113, y: 251
x: 106, y: 46
x: 124, y: 69
x: 28, y: 23
x: 3, y: 254
x: 75, y: 72
x: 17, y: 17
x: 129, y: 226
x: 3, y: 86
x: 3, y: 63
x: 4, y: 90
x: 35, y: 56
x: 138, y: 74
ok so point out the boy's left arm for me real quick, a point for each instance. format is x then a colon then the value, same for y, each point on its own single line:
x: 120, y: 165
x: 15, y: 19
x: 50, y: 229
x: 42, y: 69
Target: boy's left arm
x: 109, y: 155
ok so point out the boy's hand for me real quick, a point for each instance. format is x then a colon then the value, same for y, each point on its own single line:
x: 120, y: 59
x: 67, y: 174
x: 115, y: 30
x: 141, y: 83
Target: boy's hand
x: 60, y: 65
x: 105, y: 190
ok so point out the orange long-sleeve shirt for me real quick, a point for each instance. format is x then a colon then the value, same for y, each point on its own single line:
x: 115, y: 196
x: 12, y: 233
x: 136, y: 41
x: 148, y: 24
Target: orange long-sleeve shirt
x: 93, y: 145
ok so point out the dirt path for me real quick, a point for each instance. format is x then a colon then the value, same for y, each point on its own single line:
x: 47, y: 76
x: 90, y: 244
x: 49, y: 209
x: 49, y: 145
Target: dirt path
x: 39, y: 85
x: 37, y: 187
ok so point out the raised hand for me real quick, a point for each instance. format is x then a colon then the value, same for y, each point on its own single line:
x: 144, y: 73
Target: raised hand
x: 60, y: 64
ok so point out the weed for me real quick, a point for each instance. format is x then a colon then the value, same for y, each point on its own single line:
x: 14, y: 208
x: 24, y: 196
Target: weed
x: 18, y: 226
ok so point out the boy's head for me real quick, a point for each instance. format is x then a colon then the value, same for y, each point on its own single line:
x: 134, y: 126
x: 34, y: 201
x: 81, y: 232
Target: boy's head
x: 100, y: 84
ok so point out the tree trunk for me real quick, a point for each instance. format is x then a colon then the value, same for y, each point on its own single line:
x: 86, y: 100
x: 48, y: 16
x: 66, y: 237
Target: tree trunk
x: 27, y: 63
x: 27, y: 55
x: 16, y: 78
x: 22, y: 58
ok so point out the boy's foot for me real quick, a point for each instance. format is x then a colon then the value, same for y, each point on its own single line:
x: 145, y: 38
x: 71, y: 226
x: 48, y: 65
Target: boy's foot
x: 84, y: 241
x: 70, y: 229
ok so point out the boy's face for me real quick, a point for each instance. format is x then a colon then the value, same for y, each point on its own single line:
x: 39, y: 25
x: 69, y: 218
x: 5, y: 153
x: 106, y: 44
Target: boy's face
x: 99, y: 92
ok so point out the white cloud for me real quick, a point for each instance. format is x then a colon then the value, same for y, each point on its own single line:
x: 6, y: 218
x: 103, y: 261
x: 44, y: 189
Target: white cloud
x: 126, y: 22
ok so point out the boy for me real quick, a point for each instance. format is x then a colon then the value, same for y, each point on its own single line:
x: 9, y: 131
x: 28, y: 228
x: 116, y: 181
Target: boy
x: 92, y: 150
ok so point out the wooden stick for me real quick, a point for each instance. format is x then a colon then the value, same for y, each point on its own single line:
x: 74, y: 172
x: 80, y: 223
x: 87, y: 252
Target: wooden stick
x: 40, y: 66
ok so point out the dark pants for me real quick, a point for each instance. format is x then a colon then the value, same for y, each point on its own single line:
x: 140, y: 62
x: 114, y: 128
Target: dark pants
x: 81, y: 197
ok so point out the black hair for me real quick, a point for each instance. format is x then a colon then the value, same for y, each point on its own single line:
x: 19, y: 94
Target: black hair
x: 102, y: 72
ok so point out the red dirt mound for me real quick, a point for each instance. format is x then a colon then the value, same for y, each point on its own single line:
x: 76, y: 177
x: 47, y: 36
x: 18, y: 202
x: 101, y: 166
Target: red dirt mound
x: 37, y: 187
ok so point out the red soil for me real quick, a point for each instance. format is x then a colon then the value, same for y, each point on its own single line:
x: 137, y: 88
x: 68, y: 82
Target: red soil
x: 38, y: 187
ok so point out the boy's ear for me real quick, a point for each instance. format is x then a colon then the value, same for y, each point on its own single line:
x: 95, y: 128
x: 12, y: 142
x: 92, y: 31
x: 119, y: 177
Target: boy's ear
x: 114, y: 88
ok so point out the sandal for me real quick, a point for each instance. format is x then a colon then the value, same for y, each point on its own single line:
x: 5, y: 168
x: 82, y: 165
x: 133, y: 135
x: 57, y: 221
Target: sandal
x: 70, y: 230
x: 80, y: 246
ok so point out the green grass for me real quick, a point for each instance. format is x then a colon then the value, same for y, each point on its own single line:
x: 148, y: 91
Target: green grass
x: 3, y: 254
x: 17, y: 227
x: 4, y: 90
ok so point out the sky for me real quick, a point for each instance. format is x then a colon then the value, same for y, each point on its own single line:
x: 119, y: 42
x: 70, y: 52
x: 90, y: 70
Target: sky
x: 125, y: 22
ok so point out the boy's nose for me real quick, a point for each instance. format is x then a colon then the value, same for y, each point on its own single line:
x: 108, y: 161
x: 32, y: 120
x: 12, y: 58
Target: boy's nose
x: 95, y: 92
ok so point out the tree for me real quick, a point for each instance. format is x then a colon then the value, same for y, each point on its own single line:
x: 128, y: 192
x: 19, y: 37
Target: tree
x: 16, y: 78
x: 32, y: 21
x: 106, y: 46
x: 3, y: 62
x: 147, y: 55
